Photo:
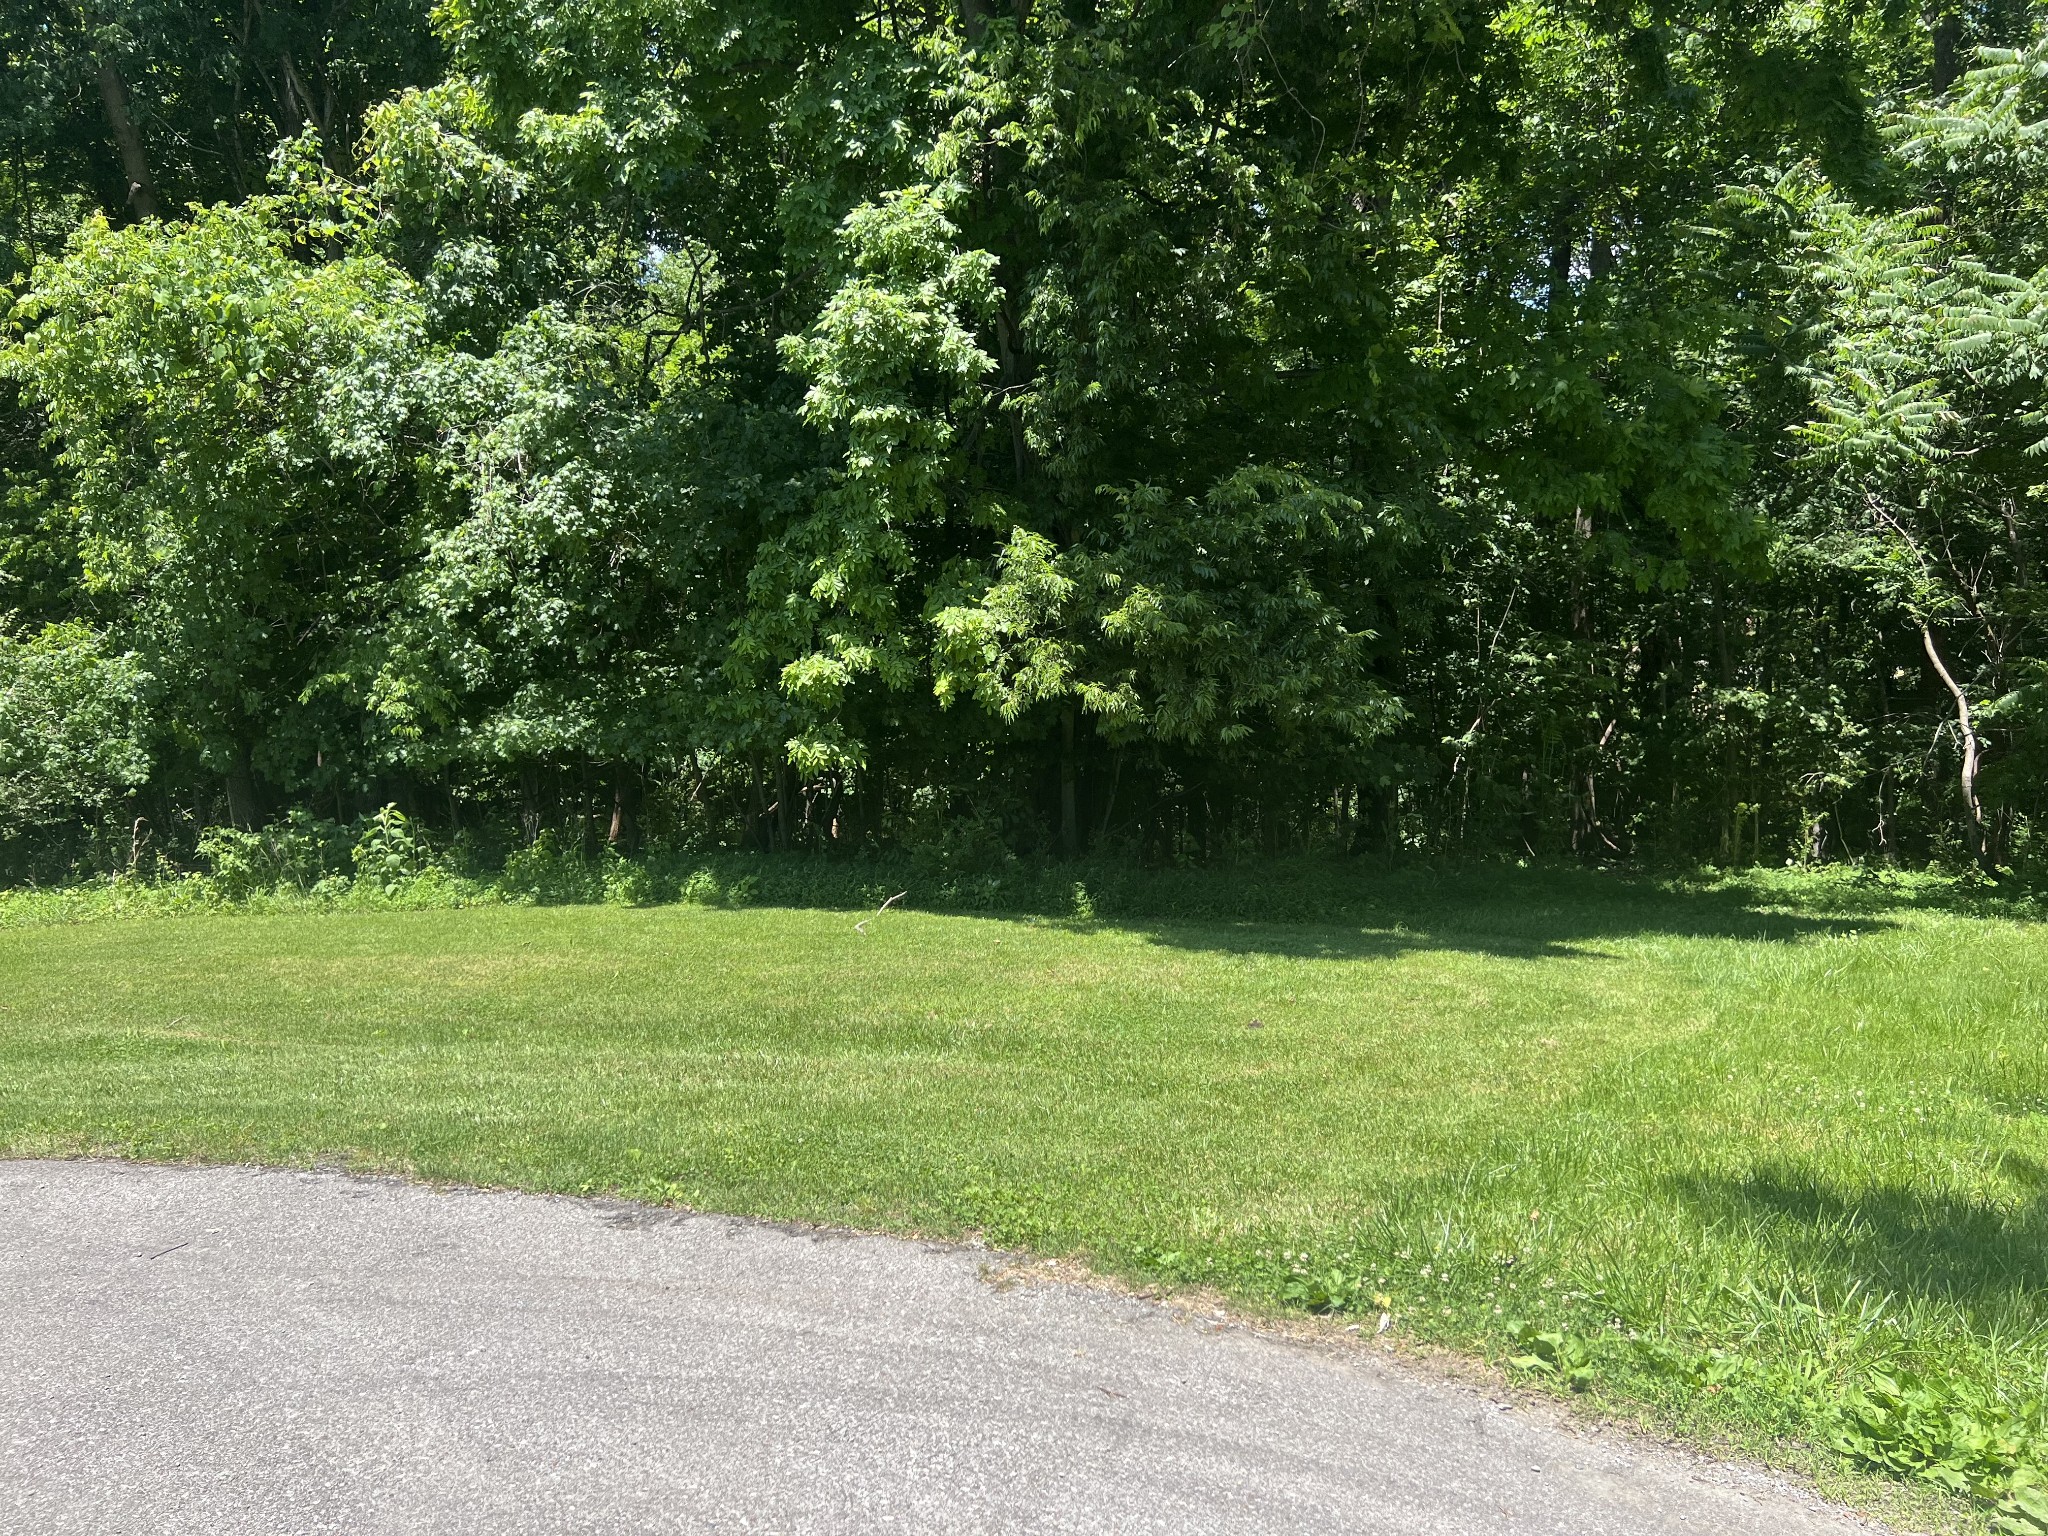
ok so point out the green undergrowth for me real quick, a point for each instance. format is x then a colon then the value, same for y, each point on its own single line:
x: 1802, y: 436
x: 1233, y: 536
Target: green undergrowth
x: 385, y: 862
x: 1879, y: 1383
x: 1762, y: 1157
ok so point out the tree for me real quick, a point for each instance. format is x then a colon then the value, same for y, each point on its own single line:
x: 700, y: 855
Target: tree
x: 229, y: 416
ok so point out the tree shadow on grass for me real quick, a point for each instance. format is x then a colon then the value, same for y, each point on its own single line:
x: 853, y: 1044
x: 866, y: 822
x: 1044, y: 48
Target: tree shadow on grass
x: 1516, y: 914
x: 1301, y: 906
x: 1911, y: 1242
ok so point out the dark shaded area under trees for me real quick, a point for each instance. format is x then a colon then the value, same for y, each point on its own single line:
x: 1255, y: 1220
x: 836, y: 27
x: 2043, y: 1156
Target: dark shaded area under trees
x: 1532, y: 428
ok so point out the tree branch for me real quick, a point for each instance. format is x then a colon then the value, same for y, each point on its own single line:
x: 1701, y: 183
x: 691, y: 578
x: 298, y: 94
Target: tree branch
x: 134, y: 163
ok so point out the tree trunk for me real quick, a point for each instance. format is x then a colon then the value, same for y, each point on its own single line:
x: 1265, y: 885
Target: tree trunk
x: 134, y: 163
x: 1885, y: 851
x: 1948, y: 50
x: 529, y: 803
x: 242, y: 808
x: 1070, y: 817
x: 619, y: 834
x: 757, y: 839
x: 1557, y: 296
x: 1116, y: 775
x: 1982, y: 850
x: 299, y: 101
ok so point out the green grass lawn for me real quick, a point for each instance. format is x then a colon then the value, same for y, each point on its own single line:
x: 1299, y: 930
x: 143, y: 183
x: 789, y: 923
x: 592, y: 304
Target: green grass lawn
x: 1771, y: 1161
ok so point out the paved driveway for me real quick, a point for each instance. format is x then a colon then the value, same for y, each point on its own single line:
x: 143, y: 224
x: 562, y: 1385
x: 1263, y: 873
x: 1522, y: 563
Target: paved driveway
x: 234, y: 1350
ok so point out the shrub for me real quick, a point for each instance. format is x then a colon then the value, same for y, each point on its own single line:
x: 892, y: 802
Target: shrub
x: 548, y: 873
x: 302, y: 853
x: 72, y: 726
x: 390, y: 852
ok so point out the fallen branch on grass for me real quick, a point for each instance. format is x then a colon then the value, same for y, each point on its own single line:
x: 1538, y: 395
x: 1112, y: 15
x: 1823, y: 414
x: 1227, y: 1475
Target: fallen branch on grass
x: 861, y: 927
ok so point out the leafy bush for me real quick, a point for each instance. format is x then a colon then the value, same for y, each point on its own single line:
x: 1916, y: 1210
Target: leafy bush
x: 299, y: 853
x: 1953, y: 1433
x: 1552, y: 1353
x: 390, y: 852
x: 73, y: 718
x: 628, y: 883
x: 1331, y: 1289
x: 701, y: 889
x: 549, y: 873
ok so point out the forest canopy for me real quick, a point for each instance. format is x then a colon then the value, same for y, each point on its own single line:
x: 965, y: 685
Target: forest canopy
x: 1540, y: 427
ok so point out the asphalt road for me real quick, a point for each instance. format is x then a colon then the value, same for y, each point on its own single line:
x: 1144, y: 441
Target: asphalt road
x: 234, y: 1350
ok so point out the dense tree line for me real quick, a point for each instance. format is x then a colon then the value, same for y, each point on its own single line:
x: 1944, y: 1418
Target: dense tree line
x: 1541, y: 426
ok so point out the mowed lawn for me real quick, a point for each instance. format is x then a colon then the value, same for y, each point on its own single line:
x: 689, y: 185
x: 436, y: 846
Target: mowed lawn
x: 1754, y: 1155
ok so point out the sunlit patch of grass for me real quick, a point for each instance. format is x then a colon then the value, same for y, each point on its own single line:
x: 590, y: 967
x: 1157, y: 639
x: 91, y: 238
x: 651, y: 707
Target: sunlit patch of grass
x: 1766, y: 1158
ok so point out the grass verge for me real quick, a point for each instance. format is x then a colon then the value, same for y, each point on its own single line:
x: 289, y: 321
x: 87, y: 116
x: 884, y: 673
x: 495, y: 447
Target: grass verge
x: 1767, y: 1161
